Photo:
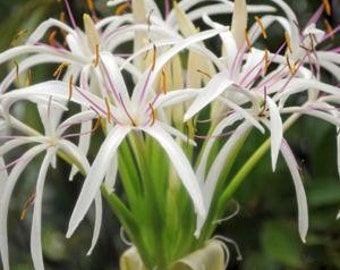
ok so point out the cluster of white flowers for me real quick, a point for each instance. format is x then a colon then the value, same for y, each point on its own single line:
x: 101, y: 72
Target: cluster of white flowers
x: 175, y: 75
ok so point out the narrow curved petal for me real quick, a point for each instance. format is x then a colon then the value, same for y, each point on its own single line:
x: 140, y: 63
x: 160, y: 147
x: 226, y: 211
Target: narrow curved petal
x: 95, y: 175
x: 299, y: 189
x: 6, y: 195
x: 36, y: 248
x: 97, y: 222
x: 181, y: 165
x: 276, y: 130
x: 217, y: 85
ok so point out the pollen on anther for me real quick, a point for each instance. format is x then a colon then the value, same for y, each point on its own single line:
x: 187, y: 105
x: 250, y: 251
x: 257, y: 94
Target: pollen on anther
x: 266, y: 61
x: 97, y: 57
x: 70, y: 87
x: 27, y: 204
x: 52, y: 38
x: 289, y: 45
x: 263, y: 30
x: 290, y: 67
x: 327, y: 6
x: 121, y: 9
x: 164, y: 82
x: 249, y: 45
x: 154, y: 55
x: 59, y: 70
x: 153, y: 114
x: 204, y: 73
x: 329, y: 28
x: 17, y: 78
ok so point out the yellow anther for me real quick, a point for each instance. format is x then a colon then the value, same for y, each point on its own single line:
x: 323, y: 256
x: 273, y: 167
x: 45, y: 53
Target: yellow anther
x: 263, y: 29
x: 108, y: 109
x: 70, y: 87
x: 289, y: 45
x: 17, y: 78
x: 91, y: 6
x: 329, y: 28
x: 28, y: 80
x: 59, y: 70
x: 290, y: 67
x: 97, y: 57
x: 266, y: 61
x: 97, y: 124
x: 121, y: 9
x: 204, y: 73
x: 164, y: 82
x: 249, y: 45
x: 18, y: 36
x: 153, y: 114
x: 52, y: 38
x: 27, y: 204
x: 154, y: 55
x: 327, y: 6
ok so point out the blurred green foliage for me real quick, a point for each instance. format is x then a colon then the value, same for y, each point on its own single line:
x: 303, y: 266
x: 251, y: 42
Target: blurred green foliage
x: 266, y: 227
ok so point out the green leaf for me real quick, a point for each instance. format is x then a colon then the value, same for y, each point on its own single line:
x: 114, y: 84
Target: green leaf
x: 280, y: 243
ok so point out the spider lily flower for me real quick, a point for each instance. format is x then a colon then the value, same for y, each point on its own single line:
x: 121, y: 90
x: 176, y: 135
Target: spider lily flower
x: 236, y: 75
x: 304, y: 45
x: 78, y: 57
x: 50, y: 142
x: 128, y: 114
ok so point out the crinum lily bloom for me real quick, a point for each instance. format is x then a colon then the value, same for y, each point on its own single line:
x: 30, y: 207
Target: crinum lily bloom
x: 51, y: 142
x: 78, y: 57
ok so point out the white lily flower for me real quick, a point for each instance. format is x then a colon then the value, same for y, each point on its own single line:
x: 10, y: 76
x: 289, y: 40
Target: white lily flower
x: 131, y: 114
x: 51, y: 142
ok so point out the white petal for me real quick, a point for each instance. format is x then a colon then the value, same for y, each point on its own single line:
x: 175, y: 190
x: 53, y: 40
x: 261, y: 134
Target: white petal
x: 181, y: 165
x: 276, y: 130
x: 239, y: 22
x: 6, y: 196
x: 226, y: 122
x: 299, y: 189
x: 217, y: 85
x: 95, y: 175
x: 36, y: 248
x: 97, y: 222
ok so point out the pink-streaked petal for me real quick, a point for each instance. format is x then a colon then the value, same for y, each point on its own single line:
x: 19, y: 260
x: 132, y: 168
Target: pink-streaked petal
x: 299, y: 189
x: 95, y: 175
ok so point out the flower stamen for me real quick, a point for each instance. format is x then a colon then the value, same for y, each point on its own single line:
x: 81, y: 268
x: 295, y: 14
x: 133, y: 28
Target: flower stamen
x: 52, y: 38
x: 27, y: 204
x: 204, y: 73
x: 263, y: 29
x: 121, y: 9
x: 327, y: 6
x: 287, y: 39
x: 329, y: 28
x: 59, y: 70
x: 248, y: 42
x: 153, y: 114
x: 164, y: 82
x: 70, y: 87
x: 97, y: 57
